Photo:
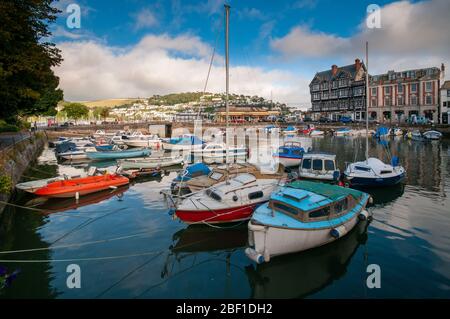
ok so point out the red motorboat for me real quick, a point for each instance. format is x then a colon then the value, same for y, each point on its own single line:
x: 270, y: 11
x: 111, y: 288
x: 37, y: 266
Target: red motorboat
x: 82, y: 186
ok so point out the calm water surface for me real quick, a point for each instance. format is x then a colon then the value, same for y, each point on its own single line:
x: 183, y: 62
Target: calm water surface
x: 128, y: 246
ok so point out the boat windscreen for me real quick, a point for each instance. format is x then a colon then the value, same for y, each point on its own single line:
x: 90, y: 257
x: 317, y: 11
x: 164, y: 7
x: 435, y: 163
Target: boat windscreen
x: 317, y: 165
x: 306, y: 163
x: 329, y: 165
x: 213, y: 195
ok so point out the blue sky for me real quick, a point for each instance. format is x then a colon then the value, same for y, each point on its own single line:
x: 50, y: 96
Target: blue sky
x: 284, y: 41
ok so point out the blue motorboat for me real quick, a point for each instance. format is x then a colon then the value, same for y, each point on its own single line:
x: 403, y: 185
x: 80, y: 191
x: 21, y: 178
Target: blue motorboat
x: 112, y: 155
x: 303, y: 215
x: 290, y: 130
x: 290, y: 154
x: 105, y: 147
x: 191, y: 142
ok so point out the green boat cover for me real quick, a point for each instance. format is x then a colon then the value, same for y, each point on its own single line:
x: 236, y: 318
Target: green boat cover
x: 332, y: 192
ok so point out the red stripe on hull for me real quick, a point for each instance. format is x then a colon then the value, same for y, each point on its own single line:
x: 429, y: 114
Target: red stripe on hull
x: 226, y: 215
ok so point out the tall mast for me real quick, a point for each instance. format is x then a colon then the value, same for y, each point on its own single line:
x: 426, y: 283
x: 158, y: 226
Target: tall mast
x: 367, y: 100
x: 227, y: 72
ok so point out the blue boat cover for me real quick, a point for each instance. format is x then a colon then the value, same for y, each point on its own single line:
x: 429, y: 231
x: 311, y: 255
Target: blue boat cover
x: 381, y: 131
x: 197, y: 169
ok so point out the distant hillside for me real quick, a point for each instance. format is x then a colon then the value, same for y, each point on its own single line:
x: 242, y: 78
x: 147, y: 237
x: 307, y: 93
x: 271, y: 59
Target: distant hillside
x: 109, y: 102
x: 175, y: 98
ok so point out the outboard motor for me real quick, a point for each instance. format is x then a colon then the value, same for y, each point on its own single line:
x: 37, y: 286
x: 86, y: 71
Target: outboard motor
x: 395, y: 161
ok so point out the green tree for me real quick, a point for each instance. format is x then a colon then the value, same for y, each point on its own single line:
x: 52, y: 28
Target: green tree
x: 27, y: 82
x: 76, y: 111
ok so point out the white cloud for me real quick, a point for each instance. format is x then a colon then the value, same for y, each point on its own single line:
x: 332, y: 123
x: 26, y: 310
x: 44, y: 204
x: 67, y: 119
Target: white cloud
x: 251, y: 13
x: 301, y: 4
x: 411, y: 35
x: 160, y: 65
x: 145, y: 19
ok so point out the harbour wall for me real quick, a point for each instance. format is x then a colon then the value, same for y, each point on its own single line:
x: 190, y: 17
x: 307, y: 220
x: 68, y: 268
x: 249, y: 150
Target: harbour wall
x: 14, y: 160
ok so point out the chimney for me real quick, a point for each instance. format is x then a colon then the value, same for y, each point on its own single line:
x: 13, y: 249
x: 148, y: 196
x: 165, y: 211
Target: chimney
x: 357, y: 64
x: 334, y: 69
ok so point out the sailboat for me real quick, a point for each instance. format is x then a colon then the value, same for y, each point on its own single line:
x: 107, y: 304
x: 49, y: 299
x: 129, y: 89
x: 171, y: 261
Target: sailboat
x: 233, y: 199
x: 373, y: 172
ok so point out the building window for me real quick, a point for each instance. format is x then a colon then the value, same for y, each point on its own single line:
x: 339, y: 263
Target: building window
x: 387, y: 90
x: 358, y: 91
x: 342, y: 93
x: 400, y: 88
x: 333, y: 94
x: 315, y: 87
x: 325, y: 86
x: 387, y: 101
x: 334, y: 84
x: 374, y: 102
x: 428, y: 99
x: 400, y: 100
x: 448, y: 93
x: 414, y: 87
x: 413, y: 100
x: 316, y: 96
x: 428, y: 86
x: 342, y: 83
x: 374, y: 91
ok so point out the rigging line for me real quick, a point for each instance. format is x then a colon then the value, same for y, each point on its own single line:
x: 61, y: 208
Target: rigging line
x: 79, y: 244
x: 128, y: 275
x: 185, y: 270
x: 45, y: 212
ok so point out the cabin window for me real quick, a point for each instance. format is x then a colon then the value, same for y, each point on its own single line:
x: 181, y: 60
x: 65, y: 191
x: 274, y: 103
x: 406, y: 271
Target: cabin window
x: 323, y: 212
x: 329, y: 165
x: 284, y: 150
x: 255, y: 195
x: 317, y: 165
x: 306, y: 163
x: 297, y: 152
x: 362, y: 168
x: 341, y: 206
x: 385, y: 172
x: 285, y: 208
x: 213, y: 195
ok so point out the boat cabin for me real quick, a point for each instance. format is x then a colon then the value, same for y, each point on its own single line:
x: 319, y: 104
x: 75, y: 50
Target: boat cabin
x: 318, y: 165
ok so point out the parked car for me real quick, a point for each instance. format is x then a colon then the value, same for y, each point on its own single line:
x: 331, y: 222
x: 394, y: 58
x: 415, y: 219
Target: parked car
x: 324, y: 119
x: 307, y: 119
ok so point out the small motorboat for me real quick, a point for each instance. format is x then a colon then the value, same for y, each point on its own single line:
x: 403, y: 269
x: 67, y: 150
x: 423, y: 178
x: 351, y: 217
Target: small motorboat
x: 81, y: 186
x: 343, y: 131
x: 150, y: 162
x: 290, y: 130
x: 106, y: 147
x: 416, y: 136
x: 269, y: 128
x: 112, y: 155
x: 150, y: 141
x: 319, y: 166
x: 76, y: 154
x: 290, y: 154
x: 183, y: 143
x: 230, y: 201
x: 307, y: 129
x: 303, y: 215
x: 432, y: 135
x: 217, y: 153
x: 374, y: 173
x: 315, y: 132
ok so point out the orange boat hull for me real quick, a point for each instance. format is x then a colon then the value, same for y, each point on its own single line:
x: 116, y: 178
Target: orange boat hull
x: 82, y: 186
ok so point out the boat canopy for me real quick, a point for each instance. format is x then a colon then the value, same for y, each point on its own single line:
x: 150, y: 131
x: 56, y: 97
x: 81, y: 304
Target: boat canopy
x: 332, y: 192
x: 381, y: 131
x: 197, y: 169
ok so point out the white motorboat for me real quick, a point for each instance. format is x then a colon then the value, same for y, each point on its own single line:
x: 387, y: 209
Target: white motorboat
x: 319, y: 166
x: 374, y: 173
x: 150, y: 162
x: 395, y: 131
x: 150, y: 141
x: 301, y: 216
x: 432, y: 135
x: 77, y: 153
x: 183, y: 143
x: 316, y: 133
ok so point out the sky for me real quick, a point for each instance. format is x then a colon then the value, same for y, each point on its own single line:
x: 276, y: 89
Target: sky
x: 137, y: 48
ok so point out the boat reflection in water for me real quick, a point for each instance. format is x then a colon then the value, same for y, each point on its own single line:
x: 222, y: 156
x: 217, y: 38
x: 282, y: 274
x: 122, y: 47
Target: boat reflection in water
x: 196, y: 239
x: 57, y: 205
x: 385, y: 195
x: 302, y: 274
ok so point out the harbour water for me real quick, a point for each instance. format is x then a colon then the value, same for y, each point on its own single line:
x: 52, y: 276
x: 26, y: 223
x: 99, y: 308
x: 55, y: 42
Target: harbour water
x: 127, y: 245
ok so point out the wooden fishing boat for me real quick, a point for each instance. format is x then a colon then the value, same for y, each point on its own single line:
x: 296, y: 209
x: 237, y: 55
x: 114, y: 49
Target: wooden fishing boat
x: 81, y: 186
x: 301, y: 216
x: 111, y: 155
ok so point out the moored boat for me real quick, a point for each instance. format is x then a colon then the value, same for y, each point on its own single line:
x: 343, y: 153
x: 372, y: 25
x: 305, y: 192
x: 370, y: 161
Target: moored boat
x: 374, y: 173
x: 432, y: 135
x: 343, y: 131
x: 150, y: 162
x: 303, y: 215
x: 290, y: 154
x: 183, y: 143
x: 230, y: 201
x: 81, y: 186
x: 319, y: 166
x: 217, y: 153
x: 110, y: 155
x: 290, y: 130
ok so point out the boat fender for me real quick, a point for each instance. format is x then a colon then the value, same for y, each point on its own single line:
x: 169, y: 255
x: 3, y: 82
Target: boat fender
x: 371, y: 200
x: 254, y: 255
x: 235, y: 198
x: 363, y: 215
x: 338, y: 232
